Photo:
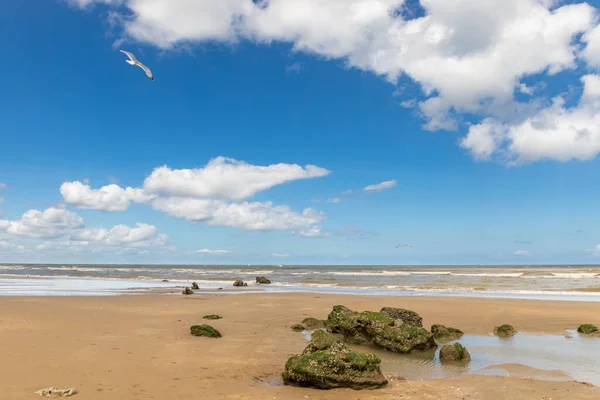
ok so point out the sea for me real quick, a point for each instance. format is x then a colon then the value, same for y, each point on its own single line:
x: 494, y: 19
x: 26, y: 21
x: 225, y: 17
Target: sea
x: 550, y: 282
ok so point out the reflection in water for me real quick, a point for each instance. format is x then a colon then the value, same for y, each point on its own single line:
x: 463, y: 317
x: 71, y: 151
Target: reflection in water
x: 577, y: 357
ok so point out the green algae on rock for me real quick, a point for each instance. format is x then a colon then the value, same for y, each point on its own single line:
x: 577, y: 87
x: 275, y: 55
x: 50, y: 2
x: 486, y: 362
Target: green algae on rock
x: 205, y: 330
x: 454, y: 352
x: 327, y: 363
x: 505, y: 330
x: 313, y: 323
x: 406, y: 316
x: 297, y: 328
x: 212, y: 316
x: 445, y: 334
x: 588, y: 329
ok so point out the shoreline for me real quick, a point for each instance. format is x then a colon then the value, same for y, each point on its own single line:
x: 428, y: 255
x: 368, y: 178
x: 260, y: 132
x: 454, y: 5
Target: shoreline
x: 132, y: 347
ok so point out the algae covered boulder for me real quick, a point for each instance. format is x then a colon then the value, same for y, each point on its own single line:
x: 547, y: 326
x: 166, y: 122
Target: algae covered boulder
x: 239, y: 283
x: 454, y: 352
x: 313, y: 323
x: 505, y: 330
x: 297, y: 328
x: 195, y: 286
x: 379, y: 329
x: 262, y: 280
x: 445, y: 334
x: 327, y: 363
x: 204, y: 330
x: 588, y: 329
x: 187, y: 290
x: 406, y: 316
x: 212, y: 316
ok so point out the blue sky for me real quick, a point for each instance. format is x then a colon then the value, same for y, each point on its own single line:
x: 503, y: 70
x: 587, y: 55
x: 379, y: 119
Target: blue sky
x: 487, y: 167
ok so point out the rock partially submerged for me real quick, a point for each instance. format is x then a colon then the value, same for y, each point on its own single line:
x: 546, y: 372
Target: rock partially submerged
x: 239, y: 282
x: 589, y: 329
x: 297, y: 328
x: 442, y: 333
x: 195, y: 286
x: 313, y: 323
x: 454, y: 352
x: 262, y: 280
x: 327, y: 363
x: 54, y: 392
x: 379, y: 329
x: 505, y: 330
x: 204, y: 330
x: 187, y: 290
x: 406, y: 316
x: 212, y: 316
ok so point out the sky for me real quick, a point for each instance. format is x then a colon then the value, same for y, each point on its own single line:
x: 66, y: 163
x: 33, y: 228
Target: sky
x: 300, y: 132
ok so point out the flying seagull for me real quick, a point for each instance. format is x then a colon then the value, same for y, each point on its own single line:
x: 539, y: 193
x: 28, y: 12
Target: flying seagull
x: 134, y: 61
x: 403, y: 245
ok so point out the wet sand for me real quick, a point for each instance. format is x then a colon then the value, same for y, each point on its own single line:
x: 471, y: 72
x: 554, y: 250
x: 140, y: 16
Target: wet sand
x: 139, y: 347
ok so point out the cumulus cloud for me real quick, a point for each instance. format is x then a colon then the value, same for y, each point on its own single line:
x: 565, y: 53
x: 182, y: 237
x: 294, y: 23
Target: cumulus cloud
x: 591, y: 53
x: 556, y: 132
x: 335, y: 200
x: 226, y: 179
x: 522, y: 253
x: 50, y: 223
x: 462, y: 53
x: 7, y: 247
x: 315, y: 231
x: 107, y: 198
x: 208, y: 251
x: 380, y: 186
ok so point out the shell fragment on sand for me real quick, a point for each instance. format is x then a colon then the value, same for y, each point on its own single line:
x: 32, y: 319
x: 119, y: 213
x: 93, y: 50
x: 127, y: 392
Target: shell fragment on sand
x: 54, y: 392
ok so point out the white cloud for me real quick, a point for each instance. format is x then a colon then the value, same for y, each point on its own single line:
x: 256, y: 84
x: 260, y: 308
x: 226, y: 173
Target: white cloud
x: 50, y: 223
x: 555, y: 132
x: 462, y: 53
x: 334, y: 200
x: 143, y: 235
x: 208, y: 251
x: 380, y: 186
x: 314, y: 232
x: 522, y: 253
x: 255, y: 216
x: 591, y: 53
x: 7, y: 247
x: 523, y: 88
x: 107, y: 198
x: 280, y: 255
x: 226, y: 179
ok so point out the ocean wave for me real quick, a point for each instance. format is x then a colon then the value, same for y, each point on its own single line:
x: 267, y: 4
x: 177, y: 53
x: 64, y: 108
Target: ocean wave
x: 12, y: 267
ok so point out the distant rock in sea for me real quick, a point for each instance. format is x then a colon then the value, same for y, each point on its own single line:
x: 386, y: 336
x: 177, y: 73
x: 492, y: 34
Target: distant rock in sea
x: 505, y: 330
x: 327, y: 363
x: 195, y: 286
x: 262, y: 280
x: 240, y: 282
x: 165, y: 280
x: 187, y: 290
x: 454, y: 352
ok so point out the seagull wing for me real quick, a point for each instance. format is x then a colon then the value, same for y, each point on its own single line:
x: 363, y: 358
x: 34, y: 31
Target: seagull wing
x: 130, y: 55
x: 146, y: 69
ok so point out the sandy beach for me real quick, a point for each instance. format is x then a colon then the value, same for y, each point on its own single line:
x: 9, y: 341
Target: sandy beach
x: 139, y: 347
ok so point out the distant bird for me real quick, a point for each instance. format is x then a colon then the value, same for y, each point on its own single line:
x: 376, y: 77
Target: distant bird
x: 134, y: 61
x: 403, y: 245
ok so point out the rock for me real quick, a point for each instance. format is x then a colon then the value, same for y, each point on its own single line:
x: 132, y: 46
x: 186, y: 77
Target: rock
x: 220, y: 288
x: 240, y: 282
x: 378, y: 329
x: 187, y: 290
x: 327, y: 363
x: 195, y: 286
x: 313, y: 323
x: 454, y: 352
x: 588, y: 329
x: 445, y: 334
x: 406, y: 316
x: 262, y: 280
x: 165, y: 280
x: 505, y: 330
x: 297, y: 328
x: 205, y: 330
x: 212, y: 316
x: 54, y: 392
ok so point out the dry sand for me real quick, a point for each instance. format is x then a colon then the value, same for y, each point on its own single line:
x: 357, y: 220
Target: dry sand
x: 139, y: 347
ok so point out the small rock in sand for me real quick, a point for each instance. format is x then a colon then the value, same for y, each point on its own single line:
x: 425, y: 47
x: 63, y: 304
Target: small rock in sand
x: 505, y: 330
x: 588, y: 329
x: 204, y: 330
x: 297, y: 328
x: 454, y: 352
x: 54, y: 392
x: 165, y: 280
x: 195, y: 286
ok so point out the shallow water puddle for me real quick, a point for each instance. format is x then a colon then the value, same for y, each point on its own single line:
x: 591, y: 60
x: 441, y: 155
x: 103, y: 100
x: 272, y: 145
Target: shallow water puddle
x: 546, y: 357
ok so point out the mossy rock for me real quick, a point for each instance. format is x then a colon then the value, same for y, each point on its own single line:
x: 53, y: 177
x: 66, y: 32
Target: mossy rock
x: 297, y: 328
x: 404, y: 338
x: 454, y: 352
x: 340, y: 319
x: 406, y: 316
x: 212, y: 316
x: 588, y: 329
x: 205, y: 330
x: 505, y: 330
x: 327, y: 363
x: 195, y: 286
x: 313, y: 323
x: 442, y: 333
